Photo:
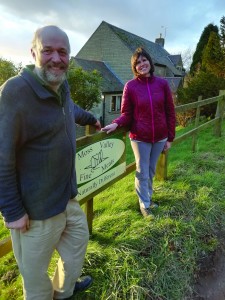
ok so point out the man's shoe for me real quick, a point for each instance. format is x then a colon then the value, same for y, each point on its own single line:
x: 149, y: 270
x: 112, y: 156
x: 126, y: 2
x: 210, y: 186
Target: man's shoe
x: 82, y: 284
x: 153, y: 205
x: 146, y: 212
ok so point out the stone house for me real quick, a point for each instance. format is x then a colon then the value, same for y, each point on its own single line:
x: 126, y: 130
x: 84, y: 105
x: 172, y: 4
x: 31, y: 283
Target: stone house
x: 109, y: 51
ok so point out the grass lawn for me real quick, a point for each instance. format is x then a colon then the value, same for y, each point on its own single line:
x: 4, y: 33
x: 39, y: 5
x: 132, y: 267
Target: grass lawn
x: 133, y: 258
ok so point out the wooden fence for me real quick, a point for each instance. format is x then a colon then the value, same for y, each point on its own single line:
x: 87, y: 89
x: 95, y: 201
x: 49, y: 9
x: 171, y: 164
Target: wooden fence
x: 162, y: 165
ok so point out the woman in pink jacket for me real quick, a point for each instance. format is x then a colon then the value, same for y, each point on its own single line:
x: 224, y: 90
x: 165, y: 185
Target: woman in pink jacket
x: 148, y: 111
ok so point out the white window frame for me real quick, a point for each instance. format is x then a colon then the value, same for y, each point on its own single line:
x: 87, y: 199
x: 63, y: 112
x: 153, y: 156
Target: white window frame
x: 115, y: 103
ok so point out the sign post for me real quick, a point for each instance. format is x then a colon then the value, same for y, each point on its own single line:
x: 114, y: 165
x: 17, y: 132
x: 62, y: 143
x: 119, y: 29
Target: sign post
x: 99, y: 162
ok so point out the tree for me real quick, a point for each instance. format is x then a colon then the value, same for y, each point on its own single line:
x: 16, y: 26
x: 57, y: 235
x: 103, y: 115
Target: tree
x: 222, y: 32
x: 7, y: 70
x: 187, y: 58
x: 84, y: 87
x: 205, y: 84
x: 197, y: 57
x: 213, y: 58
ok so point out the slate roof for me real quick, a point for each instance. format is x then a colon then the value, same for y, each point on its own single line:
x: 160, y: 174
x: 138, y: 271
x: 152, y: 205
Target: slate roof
x: 159, y: 55
x: 174, y: 83
x: 110, y: 82
x: 175, y: 59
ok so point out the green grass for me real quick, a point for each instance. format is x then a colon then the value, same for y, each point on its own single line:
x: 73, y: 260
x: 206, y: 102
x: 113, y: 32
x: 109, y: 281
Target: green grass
x: 132, y: 258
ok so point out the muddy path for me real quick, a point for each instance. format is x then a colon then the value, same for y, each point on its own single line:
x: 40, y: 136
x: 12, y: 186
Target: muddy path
x: 210, y: 283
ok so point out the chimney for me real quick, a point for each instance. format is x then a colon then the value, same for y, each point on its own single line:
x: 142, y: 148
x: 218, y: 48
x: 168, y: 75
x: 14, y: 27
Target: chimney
x: 160, y: 41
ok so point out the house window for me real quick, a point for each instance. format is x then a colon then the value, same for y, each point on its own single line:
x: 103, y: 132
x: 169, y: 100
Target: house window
x: 115, y: 103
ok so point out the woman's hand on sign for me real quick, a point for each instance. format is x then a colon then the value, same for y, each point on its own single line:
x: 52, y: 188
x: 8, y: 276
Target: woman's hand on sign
x: 110, y: 128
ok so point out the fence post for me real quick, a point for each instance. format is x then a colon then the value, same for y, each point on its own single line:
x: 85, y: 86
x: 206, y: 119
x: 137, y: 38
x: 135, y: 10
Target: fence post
x: 219, y: 114
x: 195, y: 135
x: 161, y: 168
x: 89, y: 130
x: 89, y: 213
x: 5, y: 246
x: 89, y: 205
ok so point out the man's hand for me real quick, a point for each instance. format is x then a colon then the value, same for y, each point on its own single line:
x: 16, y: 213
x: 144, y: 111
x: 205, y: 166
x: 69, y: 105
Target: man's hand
x: 22, y: 224
x: 109, y: 128
x: 97, y: 125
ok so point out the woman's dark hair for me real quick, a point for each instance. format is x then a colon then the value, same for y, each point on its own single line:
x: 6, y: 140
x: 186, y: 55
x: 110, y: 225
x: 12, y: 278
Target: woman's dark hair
x: 134, y: 58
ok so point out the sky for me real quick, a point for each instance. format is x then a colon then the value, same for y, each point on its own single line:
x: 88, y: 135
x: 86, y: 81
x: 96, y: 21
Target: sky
x: 180, y: 22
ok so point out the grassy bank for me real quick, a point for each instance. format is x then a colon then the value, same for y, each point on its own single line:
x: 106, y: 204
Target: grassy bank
x: 133, y: 258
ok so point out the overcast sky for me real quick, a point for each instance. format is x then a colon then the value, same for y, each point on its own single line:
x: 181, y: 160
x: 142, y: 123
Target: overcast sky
x: 181, y: 22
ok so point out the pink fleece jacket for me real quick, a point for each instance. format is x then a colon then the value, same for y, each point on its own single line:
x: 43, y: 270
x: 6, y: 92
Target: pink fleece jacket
x: 148, y: 110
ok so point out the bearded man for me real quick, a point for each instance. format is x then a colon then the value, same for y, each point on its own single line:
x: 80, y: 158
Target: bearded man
x: 37, y: 170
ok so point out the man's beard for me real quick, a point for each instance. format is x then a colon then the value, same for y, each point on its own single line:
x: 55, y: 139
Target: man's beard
x: 49, y: 77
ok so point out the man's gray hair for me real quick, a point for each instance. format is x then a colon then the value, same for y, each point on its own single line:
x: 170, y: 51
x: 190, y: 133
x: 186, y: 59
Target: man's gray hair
x: 39, y: 32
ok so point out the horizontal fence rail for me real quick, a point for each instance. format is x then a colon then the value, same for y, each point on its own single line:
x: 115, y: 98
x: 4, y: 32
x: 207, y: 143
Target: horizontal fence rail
x: 161, y: 170
x: 200, y: 103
